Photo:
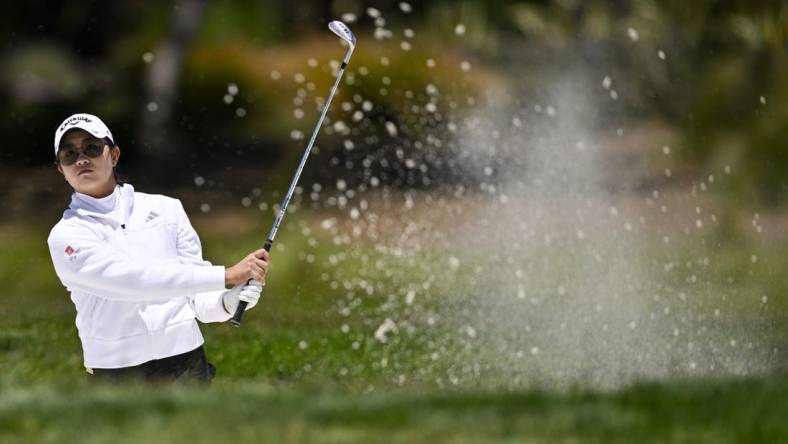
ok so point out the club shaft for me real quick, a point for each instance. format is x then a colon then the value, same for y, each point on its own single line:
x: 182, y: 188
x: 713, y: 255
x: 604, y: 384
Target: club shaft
x: 236, y: 319
x: 294, y: 182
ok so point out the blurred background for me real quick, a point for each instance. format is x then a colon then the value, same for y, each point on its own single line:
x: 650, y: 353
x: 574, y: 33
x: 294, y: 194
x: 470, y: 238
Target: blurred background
x: 222, y: 86
x: 505, y: 194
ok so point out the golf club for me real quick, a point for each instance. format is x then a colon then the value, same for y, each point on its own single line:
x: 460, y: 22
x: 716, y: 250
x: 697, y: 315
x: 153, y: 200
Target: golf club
x: 347, y: 35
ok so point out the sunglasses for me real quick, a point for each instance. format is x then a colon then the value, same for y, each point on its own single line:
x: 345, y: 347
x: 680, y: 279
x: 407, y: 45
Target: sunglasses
x: 68, y: 155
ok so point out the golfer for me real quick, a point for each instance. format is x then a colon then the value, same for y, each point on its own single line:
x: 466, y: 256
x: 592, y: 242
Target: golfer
x: 133, y: 265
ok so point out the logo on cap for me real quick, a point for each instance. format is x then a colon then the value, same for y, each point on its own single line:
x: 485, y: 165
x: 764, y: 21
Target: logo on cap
x: 73, y: 121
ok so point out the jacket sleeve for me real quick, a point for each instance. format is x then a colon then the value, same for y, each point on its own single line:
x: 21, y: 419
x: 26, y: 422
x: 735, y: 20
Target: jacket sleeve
x: 207, y: 305
x: 84, y: 262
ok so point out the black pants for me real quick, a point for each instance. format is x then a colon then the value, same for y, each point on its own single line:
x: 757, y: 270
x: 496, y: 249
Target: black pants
x: 189, y: 366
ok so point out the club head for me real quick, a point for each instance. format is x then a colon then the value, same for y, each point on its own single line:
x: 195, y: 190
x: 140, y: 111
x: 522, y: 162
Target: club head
x: 343, y: 32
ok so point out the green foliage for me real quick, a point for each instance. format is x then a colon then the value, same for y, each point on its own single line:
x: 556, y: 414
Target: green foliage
x: 268, y: 85
x: 259, y: 21
x: 721, y: 79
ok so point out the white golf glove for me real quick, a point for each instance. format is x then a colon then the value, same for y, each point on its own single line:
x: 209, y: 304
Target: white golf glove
x: 249, y: 292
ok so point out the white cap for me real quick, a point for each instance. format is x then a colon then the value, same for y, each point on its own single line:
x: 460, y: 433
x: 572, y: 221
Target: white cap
x: 87, y: 122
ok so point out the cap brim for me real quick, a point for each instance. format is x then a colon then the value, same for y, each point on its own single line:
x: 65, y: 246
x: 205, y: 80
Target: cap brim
x: 99, y: 135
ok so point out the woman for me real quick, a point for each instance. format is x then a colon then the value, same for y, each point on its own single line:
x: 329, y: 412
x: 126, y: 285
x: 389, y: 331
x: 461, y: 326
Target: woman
x: 134, y: 267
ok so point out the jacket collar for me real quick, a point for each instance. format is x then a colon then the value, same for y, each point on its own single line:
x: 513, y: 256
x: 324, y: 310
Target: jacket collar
x: 115, y: 207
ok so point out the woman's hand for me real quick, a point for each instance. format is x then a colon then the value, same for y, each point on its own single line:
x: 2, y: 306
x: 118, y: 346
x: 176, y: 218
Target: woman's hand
x: 253, y: 266
x: 249, y: 293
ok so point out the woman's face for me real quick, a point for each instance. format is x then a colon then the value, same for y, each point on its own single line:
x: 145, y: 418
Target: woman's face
x: 86, y: 162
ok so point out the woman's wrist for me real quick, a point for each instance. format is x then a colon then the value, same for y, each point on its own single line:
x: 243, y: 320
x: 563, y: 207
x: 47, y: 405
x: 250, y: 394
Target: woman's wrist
x: 227, y: 277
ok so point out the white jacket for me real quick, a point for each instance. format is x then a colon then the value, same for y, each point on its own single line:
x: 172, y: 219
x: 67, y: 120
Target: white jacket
x: 133, y: 264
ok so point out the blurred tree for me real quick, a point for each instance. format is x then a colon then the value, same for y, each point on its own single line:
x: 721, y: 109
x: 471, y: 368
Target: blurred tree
x: 155, y: 128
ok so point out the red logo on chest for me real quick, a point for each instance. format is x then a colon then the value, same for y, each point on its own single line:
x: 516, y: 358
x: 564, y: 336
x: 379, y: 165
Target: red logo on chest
x: 69, y: 250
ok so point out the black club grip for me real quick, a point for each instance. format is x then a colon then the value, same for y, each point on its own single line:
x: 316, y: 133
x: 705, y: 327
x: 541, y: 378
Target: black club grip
x: 239, y: 312
x: 235, y: 321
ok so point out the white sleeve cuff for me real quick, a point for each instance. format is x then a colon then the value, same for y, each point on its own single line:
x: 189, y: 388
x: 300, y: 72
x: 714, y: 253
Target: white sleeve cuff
x: 209, y: 306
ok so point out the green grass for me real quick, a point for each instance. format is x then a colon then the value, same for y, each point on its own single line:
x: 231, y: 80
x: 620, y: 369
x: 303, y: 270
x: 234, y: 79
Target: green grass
x: 720, y: 411
x: 305, y: 366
